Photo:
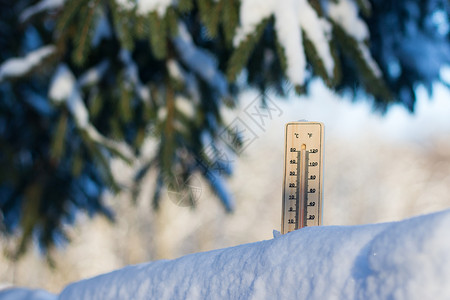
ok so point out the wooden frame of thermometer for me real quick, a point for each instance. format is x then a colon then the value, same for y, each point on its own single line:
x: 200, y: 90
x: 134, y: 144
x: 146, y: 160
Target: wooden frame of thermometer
x: 303, y: 176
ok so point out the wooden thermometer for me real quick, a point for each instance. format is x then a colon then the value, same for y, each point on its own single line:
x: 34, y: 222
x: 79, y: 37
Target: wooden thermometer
x: 303, y: 176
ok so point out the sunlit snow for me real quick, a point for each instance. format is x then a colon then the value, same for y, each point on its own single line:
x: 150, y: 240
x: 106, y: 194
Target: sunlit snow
x: 399, y: 260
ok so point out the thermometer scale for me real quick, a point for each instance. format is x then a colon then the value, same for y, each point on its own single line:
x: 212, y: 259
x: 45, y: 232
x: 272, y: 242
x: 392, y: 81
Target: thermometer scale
x: 303, y: 172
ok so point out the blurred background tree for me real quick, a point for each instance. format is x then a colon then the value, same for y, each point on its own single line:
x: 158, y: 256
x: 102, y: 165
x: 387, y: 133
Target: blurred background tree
x: 82, y: 82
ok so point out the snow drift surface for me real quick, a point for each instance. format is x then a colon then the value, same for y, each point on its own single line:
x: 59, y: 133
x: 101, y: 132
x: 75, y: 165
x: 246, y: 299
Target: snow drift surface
x: 403, y: 260
x: 26, y: 294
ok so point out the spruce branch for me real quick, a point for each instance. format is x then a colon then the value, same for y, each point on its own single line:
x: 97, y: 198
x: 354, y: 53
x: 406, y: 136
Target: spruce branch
x: 370, y: 74
x: 230, y: 20
x: 242, y: 53
x: 158, y: 35
x: 59, y: 142
x: 69, y: 12
x: 83, y: 37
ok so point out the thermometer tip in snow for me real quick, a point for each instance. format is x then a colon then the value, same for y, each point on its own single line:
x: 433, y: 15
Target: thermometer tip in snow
x: 303, y: 176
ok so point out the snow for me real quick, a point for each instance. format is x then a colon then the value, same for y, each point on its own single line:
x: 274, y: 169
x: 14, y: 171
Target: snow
x: 444, y: 74
x: 162, y: 113
x: 40, y: 7
x: 77, y: 108
x: 175, y: 70
x: 17, y: 67
x: 291, y: 18
x: 25, y: 294
x: 200, y: 61
x: 186, y: 106
x: 409, y: 259
x: 144, y: 7
x: 126, y: 4
x: 318, y: 31
x: 64, y: 88
x: 252, y: 12
x: 289, y: 35
x: 93, y: 75
x: 345, y: 14
x: 132, y: 75
x: 369, y: 60
x: 440, y: 19
x: 61, y: 84
x: 118, y: 147
x: 188, y: 79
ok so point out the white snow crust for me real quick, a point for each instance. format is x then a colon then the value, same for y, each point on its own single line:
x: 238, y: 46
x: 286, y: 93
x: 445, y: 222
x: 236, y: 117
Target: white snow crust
x: 401, y: 260
x: 19, y: 66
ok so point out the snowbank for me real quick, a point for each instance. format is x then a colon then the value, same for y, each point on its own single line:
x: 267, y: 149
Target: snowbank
x: 26, y: 294
x: 403, y: 260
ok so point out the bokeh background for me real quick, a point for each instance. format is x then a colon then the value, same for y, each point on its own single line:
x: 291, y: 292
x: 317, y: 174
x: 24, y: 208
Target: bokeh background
x: 378, y: 168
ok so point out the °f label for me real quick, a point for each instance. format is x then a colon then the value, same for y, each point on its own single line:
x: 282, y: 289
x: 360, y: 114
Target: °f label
x: 303, y: 171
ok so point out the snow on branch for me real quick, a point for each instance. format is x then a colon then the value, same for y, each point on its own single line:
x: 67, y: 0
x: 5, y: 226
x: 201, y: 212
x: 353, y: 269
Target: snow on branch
x: 297, y: 25
x: 345, y: 14
x: 252, y: 12
x: 318, y: 31
x: 290, y: 37
x: 200, y: 61
x: 292, y: 19
x: 65, y: 89
x: 18, y: 67
x: 93, y: 75
x: 189, y: 80
x: 131, y: 70
x: 144, y: 7
x: 40, y: 7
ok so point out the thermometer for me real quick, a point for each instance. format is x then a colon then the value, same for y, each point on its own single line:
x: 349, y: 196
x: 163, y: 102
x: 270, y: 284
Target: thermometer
x: 303, y: 176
